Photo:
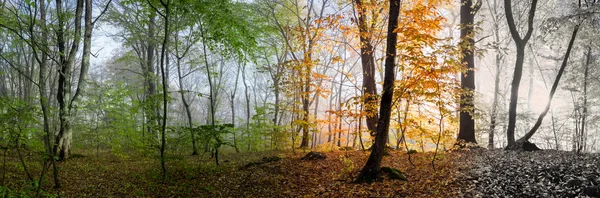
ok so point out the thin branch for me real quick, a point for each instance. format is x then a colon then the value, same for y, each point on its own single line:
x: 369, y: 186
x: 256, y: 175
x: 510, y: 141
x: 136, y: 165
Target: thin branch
x: 101, y: 13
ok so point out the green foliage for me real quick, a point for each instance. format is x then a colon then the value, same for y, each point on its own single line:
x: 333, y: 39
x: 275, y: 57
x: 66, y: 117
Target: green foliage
x: 349, y: 166
x: 112, y: 122
x: 19, y: 123
x: 212, y: 136
x: 225, y: 27
x: 262, y: 134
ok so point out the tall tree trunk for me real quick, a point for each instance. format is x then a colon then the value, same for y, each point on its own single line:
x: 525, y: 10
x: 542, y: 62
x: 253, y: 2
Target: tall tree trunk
x: 315, y: 114
x: 276, y: 90
x: 368, y: 67
x: 584, y: 113
x: 63, y: 139
x: 237, y: 77
x: 247, y: 96
x: 538, y: 123
x: 186, y: 106
x: 518, y: 72
x: 371, y: 170
x: 164, y: 63
x: 466, y: 131
x: 498, y: 62
x: 149, y: 99
x: 305, y: 113
x: 42, y: 60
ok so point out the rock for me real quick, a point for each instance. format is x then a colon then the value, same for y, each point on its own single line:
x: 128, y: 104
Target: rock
x: 314, y: 156
x: 592, y: 191
x: 528, y: 146
x: 393, y: 173
x: 347, y: 148
x: 271, y: 159
x: 574, y: 183
x: 76, y: 155
x: 264, y: 160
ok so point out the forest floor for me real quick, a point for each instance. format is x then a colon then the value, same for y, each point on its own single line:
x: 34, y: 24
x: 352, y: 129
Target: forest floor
x: 545, y: 173
x: 476, y: 173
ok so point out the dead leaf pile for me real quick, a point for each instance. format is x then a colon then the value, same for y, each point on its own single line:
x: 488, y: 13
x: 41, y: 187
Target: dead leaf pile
x: 546, y: 173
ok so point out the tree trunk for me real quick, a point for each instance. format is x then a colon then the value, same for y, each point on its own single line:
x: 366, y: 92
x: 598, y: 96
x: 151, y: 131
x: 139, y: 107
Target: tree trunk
x: 149, y: 99
x: 63, y: 139
x: 247, y: 95
x: 164, y: 60
x: 494, y: 113
x: 368, y: 67
x: 584, y: 113
x: 371, y: 170
x: 305, y: 109
x: 186, y: 106
x: 518, y: 72
x: 538, y: 123
x: 237, y: 77
x: 466, y: 131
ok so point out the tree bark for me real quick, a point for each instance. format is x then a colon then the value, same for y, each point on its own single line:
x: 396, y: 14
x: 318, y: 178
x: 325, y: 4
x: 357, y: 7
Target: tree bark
x: 518, y: 72
x: 368, y: 67
x: 237, y: 77
x: 498, y: 62
x: 371, y: 170
x: 62, y: 146
x: 538, y: 123
x: 149, y: 84
x: 584, y: 110
x: 163, y: 66
x: 466, y: 131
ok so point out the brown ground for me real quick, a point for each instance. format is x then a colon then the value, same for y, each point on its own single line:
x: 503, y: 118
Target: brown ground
x: 109, y: 175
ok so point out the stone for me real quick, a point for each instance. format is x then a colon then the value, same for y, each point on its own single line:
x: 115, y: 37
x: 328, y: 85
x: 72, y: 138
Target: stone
x: 574, y: 183
x: 528, y: 146
x: 314, y: 156
x: 592, y: 191
x: 393, y: 173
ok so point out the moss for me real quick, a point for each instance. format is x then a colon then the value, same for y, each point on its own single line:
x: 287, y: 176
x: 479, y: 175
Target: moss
x: 394, y: 173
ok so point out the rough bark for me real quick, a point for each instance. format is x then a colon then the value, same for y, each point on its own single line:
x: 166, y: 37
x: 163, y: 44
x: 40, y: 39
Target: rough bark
x: 372, y: 168
x: 150, y: 102
x: 368, y: 67
x: 62, y: 145
x: 466, y: 131
x: 498, y: 62
x: 584, y: 106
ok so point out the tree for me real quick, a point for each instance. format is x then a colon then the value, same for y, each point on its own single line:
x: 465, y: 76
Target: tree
x: 138, y: 32
x: 466, y: 130
x: 164, y: 62
x: 367, y: 57
x: 497, y: 45
x: 519, y: 143
x: 521, y: 43
x: 372, y: 168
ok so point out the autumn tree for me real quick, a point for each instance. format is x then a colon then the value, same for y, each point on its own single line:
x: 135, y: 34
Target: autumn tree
x: 368, y: 15
x: 372, y: 168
